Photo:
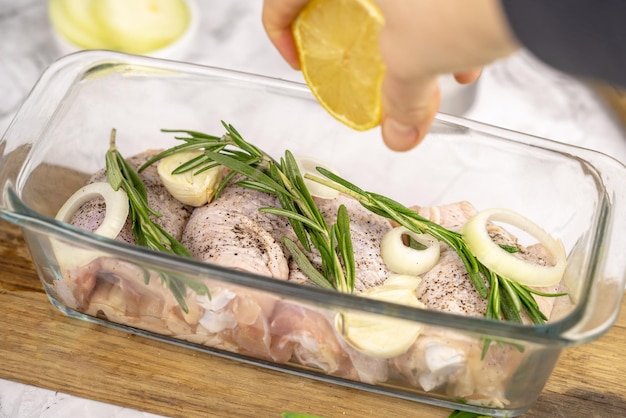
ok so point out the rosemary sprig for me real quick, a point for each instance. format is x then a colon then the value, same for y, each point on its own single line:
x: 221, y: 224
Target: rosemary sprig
x: 284, y: 180
x: 148, y: 233
x: 505, y: 298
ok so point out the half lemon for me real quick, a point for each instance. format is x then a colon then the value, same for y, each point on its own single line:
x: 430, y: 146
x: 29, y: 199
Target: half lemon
x: 338, y: 48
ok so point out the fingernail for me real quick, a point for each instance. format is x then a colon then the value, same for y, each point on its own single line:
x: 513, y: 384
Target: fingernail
x: 399, y: 136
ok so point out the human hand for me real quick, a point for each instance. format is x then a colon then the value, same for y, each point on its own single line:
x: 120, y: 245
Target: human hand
x: 420, y: 40
x: 278, y: 15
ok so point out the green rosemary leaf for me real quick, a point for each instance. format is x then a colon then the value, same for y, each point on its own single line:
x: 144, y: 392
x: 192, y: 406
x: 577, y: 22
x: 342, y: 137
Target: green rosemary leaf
x: 508, y: 308
x: 204, y: 168
x: 464, y: 414
x: 292, y: 215
x: 529, y: 303
x: 305, y: 265
x: 194, y: 134
x: 514, y: 295
x: 113, y: 171
x: 298, y: 415
x: 146, y: 232
x: 168, y: 152
x: 289, y: 167
x: 241, y: 143
x: 290, y: 202
x: 247, y: 171
x: 509, y: 248
x: 335, y: 178
x: 255, y: 185
x: 540, y: 293
x: 477, y: 272
x: 298, y: 228
x: 415, y: 244
x: 220, y: 187
x: 176, y: 289
x: 196, y: 286
x: 199, y: 161
x: 345, y: 244
x: 493, y: 299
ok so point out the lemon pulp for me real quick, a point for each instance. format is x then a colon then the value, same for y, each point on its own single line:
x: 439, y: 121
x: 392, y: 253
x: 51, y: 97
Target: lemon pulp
x: 337, y: 43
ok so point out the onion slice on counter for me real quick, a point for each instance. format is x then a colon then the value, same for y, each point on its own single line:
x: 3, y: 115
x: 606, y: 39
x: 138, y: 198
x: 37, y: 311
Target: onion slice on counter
x: 116, y: 202
x: 307, y: 165
x: 507, y: 265
x: 402, y: 259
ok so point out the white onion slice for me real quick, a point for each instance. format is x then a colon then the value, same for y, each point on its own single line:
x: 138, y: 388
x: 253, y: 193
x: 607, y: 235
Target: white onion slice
x: 402, y: 259
x: 69, y: 256
x: 116, y: 202
x: 307, y: 165
x: 506, y: 264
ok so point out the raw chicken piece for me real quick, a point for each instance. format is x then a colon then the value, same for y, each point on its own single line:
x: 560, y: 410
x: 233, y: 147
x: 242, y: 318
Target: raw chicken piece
x: 368, y: 369
x: 117, y: 291
x: 252, y: 311
x: 236, y: 199
x: 174, y: 214
x: 452, y: 363
x: 231, y: 232
x: 308, y: 337
x: 366, y: 230
x: 447, y: 287
x: 234, y: 240
x: 451, y: 216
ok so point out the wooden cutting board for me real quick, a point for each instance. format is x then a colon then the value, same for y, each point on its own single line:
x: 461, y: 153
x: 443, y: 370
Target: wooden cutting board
x: 40, y: 346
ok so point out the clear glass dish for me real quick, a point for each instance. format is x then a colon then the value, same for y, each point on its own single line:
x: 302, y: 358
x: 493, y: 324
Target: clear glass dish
x: 61, y: 133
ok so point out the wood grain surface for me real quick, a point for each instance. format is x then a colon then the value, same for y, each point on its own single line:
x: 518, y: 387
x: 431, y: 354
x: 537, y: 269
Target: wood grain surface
x: 42, y: 347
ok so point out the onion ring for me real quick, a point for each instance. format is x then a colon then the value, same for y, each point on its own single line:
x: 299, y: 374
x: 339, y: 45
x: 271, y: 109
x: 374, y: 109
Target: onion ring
x: 401, y: 259
x: 116, y: 203
x: 506, y: 264
x: 308, y: 165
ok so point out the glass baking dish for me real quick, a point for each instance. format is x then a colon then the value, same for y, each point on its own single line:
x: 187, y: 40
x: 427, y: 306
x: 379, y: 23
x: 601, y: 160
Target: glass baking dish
x: 61, y: 133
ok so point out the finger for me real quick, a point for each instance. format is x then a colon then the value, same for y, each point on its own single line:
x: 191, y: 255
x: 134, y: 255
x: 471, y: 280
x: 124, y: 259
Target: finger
x: 277, y: 17
x: 468, y: 76
x: 409, y: 107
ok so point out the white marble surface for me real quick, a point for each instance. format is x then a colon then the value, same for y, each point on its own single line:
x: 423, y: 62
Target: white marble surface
x: 518, y: 93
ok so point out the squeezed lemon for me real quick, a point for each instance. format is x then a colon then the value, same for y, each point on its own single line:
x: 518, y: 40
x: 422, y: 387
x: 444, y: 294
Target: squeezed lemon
x: 337, y: 43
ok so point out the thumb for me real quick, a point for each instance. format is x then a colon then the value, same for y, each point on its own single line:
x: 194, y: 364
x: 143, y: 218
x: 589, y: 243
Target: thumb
x: 409, y: 107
